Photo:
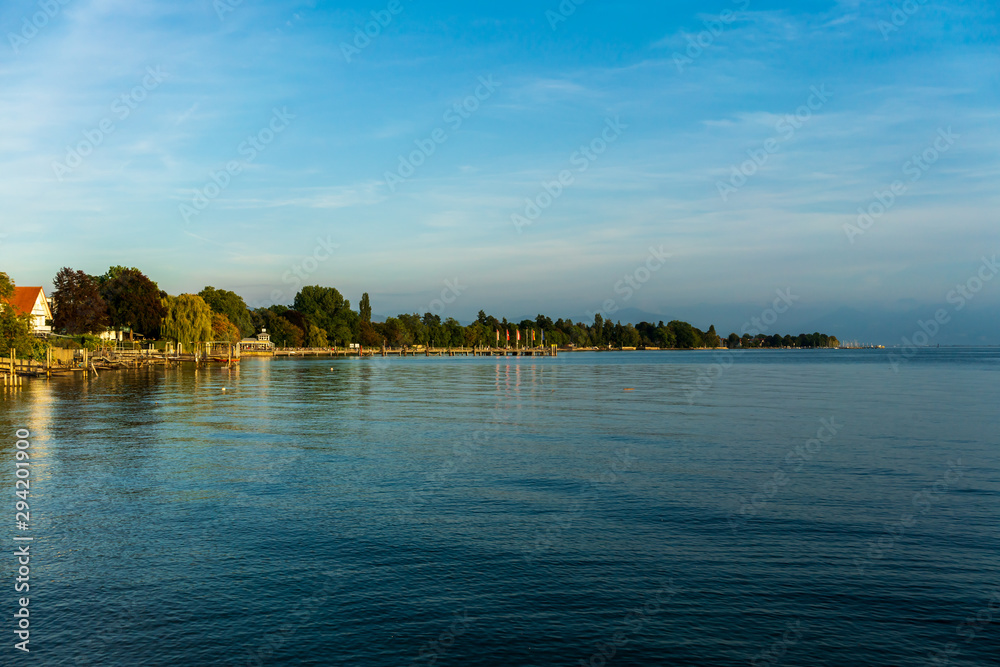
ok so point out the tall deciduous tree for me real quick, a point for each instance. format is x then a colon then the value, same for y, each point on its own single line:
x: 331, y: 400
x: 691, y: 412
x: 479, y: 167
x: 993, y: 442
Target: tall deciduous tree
x: 77, y: 305
x: 327, y: 309
x: 365, y: 309
x: 188, y: 319
x: 368, y: 335
x: 134, y: 301
x: 684, y: 335
x: 231, y: 305
x: 223, y: 330
x: 711, y: 337
x: 298, y: 319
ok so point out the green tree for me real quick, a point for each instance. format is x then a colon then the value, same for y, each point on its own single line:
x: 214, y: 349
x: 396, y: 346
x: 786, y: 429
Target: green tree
x: 134, y: 301
x: 15, y: 329
x: 369, y: 335
x: 712, y: 338
x: 393, y: 332
x: 298, y: 319
x: 77, y: 305
x: 684, y: 334
x: 414, y: 331
x: 478, y: 333
x: 288, y: 335
x: 232, y: 306
x: 365, y: 309
x: 327, y: 309
x: 630, y: 336
x: 188, y: 319
x: 316, y: 337
x: 597, y: 330
x: 454, y: 333
x: 433, y: 331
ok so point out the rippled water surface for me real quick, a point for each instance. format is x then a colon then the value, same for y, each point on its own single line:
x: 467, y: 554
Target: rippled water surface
x: 768, y: 507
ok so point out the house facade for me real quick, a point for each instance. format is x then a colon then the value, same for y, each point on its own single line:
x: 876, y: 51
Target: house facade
x: 32, y: 301
x: 261, y: 344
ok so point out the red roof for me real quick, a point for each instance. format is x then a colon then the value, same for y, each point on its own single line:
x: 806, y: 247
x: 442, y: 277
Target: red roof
x: 24, y: 299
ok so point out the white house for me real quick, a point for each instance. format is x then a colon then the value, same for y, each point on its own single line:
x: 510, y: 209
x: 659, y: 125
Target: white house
x: 31, y: 300
x: 262, y: 343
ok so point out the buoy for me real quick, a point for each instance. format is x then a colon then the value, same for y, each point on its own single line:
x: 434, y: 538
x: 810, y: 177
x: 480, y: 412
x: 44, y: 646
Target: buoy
x: 223, y: 389
x: 629, y: 389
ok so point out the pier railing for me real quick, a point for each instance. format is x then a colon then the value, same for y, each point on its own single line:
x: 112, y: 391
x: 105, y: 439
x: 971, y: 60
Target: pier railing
x: 415, y: 351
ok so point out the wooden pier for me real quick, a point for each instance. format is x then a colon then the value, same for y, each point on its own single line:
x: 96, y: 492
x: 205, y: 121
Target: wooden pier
x: 418, y: 352
x: 64, y: 362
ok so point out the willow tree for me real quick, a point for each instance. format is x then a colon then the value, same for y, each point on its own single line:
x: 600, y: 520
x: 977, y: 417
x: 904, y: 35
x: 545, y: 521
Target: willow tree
x: 188, y: 319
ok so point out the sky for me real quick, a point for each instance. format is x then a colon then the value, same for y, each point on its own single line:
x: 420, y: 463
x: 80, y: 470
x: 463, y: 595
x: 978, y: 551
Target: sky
x: 688, y: 161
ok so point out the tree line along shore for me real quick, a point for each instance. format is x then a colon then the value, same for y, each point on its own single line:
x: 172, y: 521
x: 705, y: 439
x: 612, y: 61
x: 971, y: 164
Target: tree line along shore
x: 86, y: 307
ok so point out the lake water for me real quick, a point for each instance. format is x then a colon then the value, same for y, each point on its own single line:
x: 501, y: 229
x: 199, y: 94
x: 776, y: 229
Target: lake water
x: 768, y: 507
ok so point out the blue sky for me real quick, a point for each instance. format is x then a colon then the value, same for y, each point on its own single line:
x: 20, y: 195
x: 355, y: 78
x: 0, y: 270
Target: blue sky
x: 200, y: 78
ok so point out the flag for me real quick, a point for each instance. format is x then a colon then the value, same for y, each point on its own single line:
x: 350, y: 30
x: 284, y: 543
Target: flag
x: 519, y: 335
x: 498, y: 335
x: 543, y: 336
x: 508, y: 335
x: 532, y: 335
